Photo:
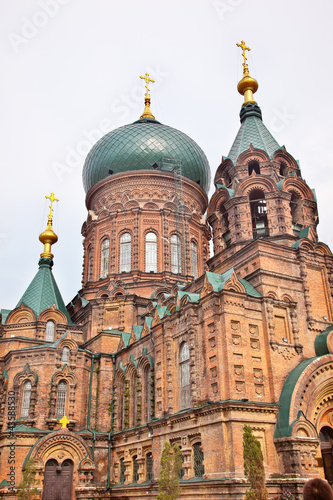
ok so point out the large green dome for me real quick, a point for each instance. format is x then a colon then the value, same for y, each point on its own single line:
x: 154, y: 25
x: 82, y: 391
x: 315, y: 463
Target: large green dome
x: 145, y: 144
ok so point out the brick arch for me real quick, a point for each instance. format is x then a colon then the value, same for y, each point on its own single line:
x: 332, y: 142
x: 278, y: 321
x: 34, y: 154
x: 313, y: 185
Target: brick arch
x: 117, y: 207
x: 21, y: 314
x: 69, y: 377
x: 313, y: 391
x: 150, y: 206
x: 64, y: 445
x: 298, y: 186
x: 322, y: 248
x: 225, y: 166
x: 53, y: 314
x: 255, y: 182
x: 252, y: 154
x: 281, y: 155
x: 219, y: 198
x: 131, y: 204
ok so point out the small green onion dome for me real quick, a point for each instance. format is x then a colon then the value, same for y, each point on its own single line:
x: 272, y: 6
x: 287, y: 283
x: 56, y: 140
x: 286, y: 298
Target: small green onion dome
x: 145, y: 144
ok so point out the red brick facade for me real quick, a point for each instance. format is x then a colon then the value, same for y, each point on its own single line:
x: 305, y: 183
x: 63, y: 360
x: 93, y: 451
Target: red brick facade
x: 187, y: 356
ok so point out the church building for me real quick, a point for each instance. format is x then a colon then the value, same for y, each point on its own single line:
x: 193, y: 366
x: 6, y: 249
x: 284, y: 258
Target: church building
x: 164, y: 342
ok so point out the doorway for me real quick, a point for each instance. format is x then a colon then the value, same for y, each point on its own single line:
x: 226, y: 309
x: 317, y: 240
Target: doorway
x: 58, y: 480
x: 326, y: 445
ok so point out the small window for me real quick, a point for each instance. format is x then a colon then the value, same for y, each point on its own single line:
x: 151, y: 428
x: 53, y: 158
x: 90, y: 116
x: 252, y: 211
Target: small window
x: 26, y: 396
x: 176, y: 257
x: 149, y: 466
x: 122, y: 471
x: 194, y: 259
x: 61, y: 399
x: 199, y: 468
x: 65, y: 355
x: 49, y: 332
x: 184, y: 376
x: 151, y: 253
x: 135, y: 469
x: 105, y: 258
x: 125, y: 253
x: 254, y: 167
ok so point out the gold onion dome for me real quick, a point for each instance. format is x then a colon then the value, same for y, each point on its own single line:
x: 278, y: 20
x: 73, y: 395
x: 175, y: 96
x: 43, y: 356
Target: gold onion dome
x: 48, y: 237
x: 247, y: 85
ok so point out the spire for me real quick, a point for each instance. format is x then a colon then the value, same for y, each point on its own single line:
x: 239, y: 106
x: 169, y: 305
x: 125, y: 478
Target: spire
x: 147, y: 112
x: 247, y: 85
x: 43, y: 292
x: 48, y: 237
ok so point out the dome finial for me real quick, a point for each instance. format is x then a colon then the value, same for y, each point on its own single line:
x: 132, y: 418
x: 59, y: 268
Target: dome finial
x: 248, y: 85
x: 147, y: 112
x: 48, y: 237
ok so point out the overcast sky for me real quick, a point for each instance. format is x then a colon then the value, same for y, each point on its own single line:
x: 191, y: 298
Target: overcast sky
x: 70, y: 72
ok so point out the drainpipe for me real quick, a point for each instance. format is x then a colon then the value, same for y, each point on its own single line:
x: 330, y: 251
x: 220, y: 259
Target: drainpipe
x: 112, y: 419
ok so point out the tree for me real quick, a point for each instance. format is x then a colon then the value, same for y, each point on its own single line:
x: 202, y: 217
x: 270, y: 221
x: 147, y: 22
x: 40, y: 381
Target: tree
x: 27, y: 489
x: 168, y: 480
x: 253, y: 466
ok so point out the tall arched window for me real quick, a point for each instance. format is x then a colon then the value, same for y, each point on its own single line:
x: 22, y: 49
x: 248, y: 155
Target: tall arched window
x: 90, y: 262
x: 135, y: 469
x: 135, y: 400
x: 125, y: 253
x: 175, y: 254
x: 199, y: 468
x: 26, y: 396
x: 122, y: 471
x: 61, y: 399
x: 148, y: 390
x: 184, y: 376
x: 151, y: 253
x: 253, y: 166
x: 65, y: 355
x: 296, y: 212
x: 105, y: 258
x: 258, y: 213
x: 194, y: 259
x: 49, y: 331
x: 149, y: 466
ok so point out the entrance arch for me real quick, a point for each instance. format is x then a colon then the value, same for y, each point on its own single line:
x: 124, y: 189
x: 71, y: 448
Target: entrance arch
x: 58, y: 480
x: 326, y: 446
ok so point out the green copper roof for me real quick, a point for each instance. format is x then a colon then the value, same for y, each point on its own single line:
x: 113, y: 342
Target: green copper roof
x: 252, y: 131
x: 283, y: 428
x: 145, y: 144
x: 43, y: 291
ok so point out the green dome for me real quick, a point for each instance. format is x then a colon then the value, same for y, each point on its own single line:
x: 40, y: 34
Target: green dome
x: 145, y: 144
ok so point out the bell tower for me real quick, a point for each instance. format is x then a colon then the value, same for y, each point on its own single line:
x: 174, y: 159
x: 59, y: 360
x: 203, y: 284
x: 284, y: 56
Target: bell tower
x: 260, y: 192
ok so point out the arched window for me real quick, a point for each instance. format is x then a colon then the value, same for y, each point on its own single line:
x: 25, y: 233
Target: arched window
x: 122, y: 471
x: 258, y: 213
x: 194, y: 259
x: 65, y: 354
x: 253, y: 166
x: 225, y: 225
x: 135, y: 401
x: 125, y: 253
x: 175, y: 254
x: 296, y: 212
x: 105, y: 258
x: 149, y: 466
x: 199, y: 468
x: 90, y: 263
x: 151, y: 253
x: 135, y: 469
x: 61, y: 399
x: 26, y: 396
x: 184, y: 376
x: 148, y: 391
x: 49, y: 332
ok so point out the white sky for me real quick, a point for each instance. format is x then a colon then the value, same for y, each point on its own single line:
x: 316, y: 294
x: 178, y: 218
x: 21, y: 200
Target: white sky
x: 71, y: 67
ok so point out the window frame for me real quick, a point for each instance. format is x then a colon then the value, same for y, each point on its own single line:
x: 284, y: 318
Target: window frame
x: 105, y: 258
x: 125, y: 253
x: 151, y: 257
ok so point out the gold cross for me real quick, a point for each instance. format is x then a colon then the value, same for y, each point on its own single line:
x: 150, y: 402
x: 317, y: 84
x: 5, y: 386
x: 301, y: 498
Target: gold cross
x: 146, y: 77
x: 244, y: 48
x: 52, y: 198
x: 64, y: 421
